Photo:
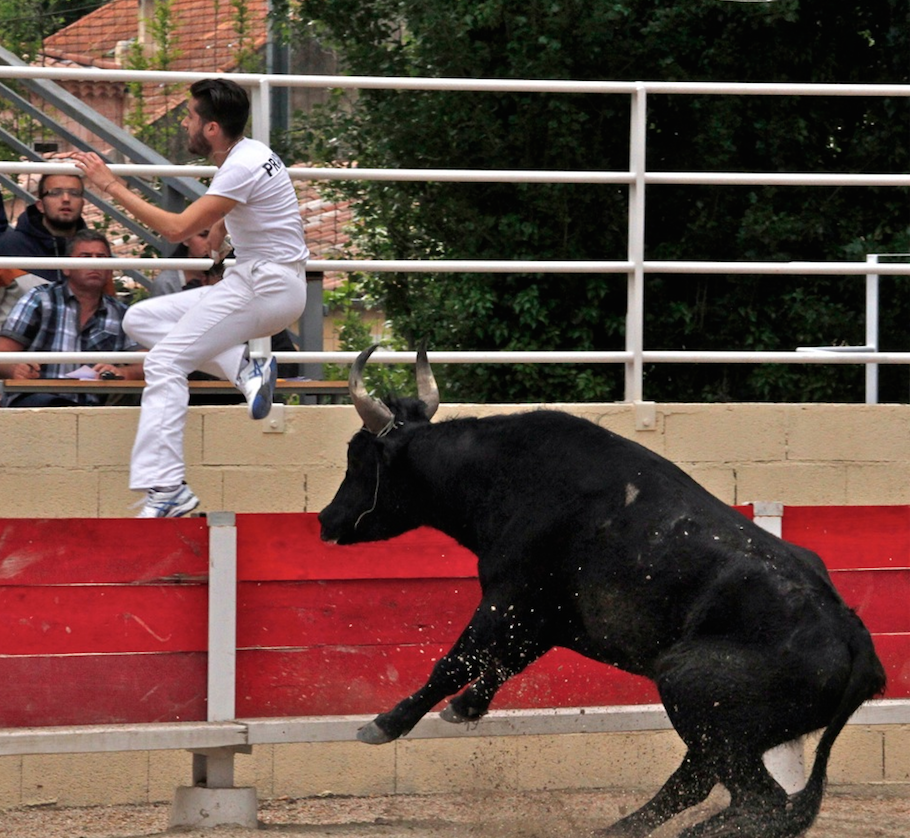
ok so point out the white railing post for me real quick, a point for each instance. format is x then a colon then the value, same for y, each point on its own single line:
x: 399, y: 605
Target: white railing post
x: 872, y: 331
x: 261, y: 111
x: 635, y: 317
x: 222, y: 628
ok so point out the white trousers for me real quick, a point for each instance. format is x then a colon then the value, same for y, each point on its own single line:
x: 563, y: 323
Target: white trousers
x: 201, y: 329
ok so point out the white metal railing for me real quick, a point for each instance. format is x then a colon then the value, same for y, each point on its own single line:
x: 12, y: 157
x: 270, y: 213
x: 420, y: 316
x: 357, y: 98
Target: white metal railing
x: 637, y: 178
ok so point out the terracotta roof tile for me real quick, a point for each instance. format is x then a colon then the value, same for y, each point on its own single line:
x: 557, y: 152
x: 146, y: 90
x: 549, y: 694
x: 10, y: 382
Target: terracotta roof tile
x: 201, y: 43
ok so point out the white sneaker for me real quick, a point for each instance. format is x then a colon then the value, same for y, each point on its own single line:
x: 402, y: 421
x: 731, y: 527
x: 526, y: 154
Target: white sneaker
x: 173, y: 504
x: 257, y: 381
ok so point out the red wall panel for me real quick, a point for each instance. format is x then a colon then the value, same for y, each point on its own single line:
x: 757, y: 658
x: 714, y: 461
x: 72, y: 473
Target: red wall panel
x: 48, y: 690
x: 852, y: 537
x: 287, y: 547
x: 340, y: 680
x: 82, y: 551
x: 105, y: 620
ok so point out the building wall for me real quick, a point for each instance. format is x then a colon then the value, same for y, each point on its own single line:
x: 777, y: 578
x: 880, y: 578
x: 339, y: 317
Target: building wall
x: 73, y: 463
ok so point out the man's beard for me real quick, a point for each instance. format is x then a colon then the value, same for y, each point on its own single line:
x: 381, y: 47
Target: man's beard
x: 63, y: 226
x: 198, y: 144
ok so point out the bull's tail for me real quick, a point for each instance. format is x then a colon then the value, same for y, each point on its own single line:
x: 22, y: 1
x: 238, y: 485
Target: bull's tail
x: 867, y: 679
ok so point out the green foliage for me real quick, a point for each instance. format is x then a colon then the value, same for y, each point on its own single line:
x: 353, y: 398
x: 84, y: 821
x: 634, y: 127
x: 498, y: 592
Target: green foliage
x: 161, y: 134
x: 248, y: 60
x: 346, y: 304
x: 822, y: 41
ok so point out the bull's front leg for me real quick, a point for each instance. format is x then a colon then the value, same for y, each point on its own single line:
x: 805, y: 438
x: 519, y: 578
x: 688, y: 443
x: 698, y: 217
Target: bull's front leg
x: 494, y: 639
x: 474, y: 702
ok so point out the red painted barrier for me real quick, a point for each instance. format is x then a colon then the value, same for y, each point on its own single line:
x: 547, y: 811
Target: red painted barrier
x: 102, y: 621
x: 105, y: 620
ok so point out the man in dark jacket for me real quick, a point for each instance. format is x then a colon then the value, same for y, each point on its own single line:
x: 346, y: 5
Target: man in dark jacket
x: 44, y: 229
x: 46, y: 226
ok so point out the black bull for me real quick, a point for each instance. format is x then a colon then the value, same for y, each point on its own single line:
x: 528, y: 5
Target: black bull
x: 591, y: 542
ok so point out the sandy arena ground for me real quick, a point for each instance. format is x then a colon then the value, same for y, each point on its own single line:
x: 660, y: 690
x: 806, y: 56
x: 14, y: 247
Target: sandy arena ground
x: 846, y: 813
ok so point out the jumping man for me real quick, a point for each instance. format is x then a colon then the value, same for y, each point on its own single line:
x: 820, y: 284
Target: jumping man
x: 252, y: 200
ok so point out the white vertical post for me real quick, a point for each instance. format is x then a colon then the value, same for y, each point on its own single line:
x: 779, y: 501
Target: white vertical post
x: 769, y: 516
x: 872, y: 282
x: 635, y: 295
x: 786, y: 762
x: 261, y: 110
x: 212, y: 800
x: 222, y: 656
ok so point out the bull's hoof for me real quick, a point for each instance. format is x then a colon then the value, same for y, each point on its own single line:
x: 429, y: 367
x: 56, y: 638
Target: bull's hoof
x: 450, y: 714
x: 373, y: 734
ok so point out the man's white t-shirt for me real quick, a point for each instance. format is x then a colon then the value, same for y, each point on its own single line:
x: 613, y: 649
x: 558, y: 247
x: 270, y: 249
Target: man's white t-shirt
x: 265, y: 223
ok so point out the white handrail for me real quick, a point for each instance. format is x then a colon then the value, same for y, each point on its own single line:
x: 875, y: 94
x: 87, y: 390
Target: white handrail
x: 252, y: 80
x: 649, y: 356
x: 636, y: 267
x: 514, y: 266
x: 329, y: 173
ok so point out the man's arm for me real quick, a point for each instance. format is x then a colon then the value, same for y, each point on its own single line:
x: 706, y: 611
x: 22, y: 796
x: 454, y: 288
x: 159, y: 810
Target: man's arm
x: 202, y: 214
x: 16, y: 370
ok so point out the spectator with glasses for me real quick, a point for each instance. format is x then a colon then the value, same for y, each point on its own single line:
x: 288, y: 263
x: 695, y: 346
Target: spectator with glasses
x: 45, y: 229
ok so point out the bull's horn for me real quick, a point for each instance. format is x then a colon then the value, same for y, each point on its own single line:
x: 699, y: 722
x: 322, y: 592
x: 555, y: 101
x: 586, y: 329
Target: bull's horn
x: 375, y: 415
x: 427, y: 390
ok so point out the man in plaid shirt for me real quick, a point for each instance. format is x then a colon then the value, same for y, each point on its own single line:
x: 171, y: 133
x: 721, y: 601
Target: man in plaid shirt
x: 71, y: 316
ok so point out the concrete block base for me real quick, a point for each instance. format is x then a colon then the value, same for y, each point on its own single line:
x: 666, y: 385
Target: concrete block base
x: 201, y: 808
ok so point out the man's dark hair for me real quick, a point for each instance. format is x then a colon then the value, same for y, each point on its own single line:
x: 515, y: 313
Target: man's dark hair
x: 222, y: 101
x: 42, y: 182
x: 87, y: 235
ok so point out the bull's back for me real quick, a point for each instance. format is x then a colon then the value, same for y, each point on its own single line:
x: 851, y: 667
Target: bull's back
x: 631, y: 528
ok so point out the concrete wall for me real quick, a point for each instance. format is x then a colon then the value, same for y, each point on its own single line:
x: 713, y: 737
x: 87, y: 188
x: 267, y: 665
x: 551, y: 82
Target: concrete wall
x: 73, y: 463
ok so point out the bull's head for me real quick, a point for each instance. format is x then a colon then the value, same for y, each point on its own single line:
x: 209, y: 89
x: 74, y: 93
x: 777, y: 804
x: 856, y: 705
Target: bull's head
x: 377, y: 500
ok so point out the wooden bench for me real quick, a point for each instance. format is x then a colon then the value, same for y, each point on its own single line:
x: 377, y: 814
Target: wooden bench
x: 333, y: 392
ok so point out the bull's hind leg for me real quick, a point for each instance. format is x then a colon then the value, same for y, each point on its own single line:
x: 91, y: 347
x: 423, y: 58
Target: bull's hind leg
x: 730, y: 703
x: 500, y: 639
x: 689, y: 785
